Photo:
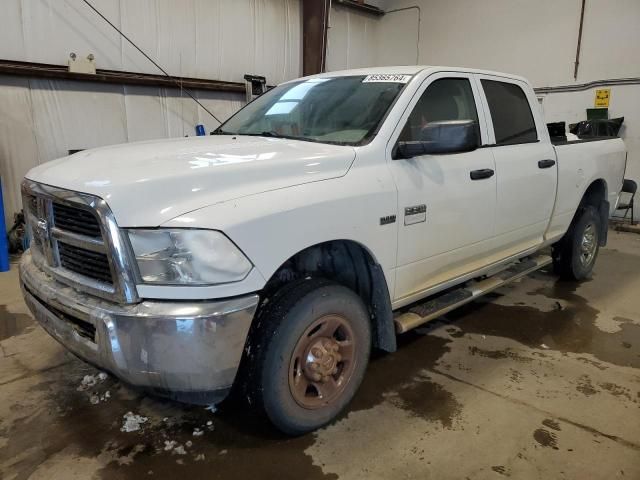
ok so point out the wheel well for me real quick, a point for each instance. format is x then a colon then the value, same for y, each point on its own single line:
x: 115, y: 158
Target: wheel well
x: 596, y: 196
x: 350, y: 264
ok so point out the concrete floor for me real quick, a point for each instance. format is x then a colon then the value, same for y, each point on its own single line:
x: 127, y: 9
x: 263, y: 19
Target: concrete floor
x: 541, y: 380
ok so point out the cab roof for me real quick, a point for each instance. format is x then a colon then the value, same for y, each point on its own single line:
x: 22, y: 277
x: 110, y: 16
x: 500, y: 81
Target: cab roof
x: 410, y: 70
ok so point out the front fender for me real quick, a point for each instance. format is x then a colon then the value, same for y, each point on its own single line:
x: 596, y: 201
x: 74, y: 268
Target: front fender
x: 273, y: 226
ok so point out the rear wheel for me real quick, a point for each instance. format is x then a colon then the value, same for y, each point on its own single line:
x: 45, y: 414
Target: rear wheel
x: 313, y: 350
x: 575, y: 255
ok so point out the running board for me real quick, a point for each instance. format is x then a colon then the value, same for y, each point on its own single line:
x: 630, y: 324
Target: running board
x: 436, y: 307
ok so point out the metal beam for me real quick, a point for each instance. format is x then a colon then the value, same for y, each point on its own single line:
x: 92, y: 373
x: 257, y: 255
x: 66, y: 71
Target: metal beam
x: 361, y: 7
x: 576, y: 64
x: 579, y: 87
x: 43, y: 70
x: 315, y: 19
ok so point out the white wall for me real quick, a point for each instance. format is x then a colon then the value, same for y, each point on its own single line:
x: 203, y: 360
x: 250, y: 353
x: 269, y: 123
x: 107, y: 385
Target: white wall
x: 625, y: 102
x: 216, y: 39
x: 41, y: 120
x: 357, y: 39
x: 351, y: 39
x: 534, y: 39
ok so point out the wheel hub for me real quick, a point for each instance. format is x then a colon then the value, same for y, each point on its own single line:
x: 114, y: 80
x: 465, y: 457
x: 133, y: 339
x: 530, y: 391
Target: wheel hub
x: 588, y: 245
x: 322, y: 362
x: 322, y: 359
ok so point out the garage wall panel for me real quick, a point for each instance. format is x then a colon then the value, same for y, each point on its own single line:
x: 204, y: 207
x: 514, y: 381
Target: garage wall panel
x: 11, y: 37
x: 534, y: 39
x: 177, y: 37
x: 222, y: 104
x: 216, y: 39
x: 140, y: 22
x: 208, y: 38
x: 611, y: 40
x: 268, y: 40
x: 351, y: 39
x: 625, y: 102
x: 74, y: 115
x: 145, y: 113
x: 18, y: 147
x: 237, y: 35
x: 397, y: 42
x: 54, y: 28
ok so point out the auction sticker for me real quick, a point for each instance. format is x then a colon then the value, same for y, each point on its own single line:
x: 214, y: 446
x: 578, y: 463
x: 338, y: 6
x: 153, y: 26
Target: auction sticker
x: 386, y: 77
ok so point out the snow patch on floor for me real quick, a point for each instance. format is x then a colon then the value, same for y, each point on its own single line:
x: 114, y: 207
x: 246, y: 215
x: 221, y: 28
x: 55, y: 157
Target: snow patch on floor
x: 132, y: 422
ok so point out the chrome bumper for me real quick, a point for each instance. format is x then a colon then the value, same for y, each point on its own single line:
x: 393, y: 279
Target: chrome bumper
x: 182, y: 347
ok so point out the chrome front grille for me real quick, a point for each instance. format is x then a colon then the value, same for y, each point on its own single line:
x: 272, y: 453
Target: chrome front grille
x: 74, y: 237
x: 78, y: 239
x: 85, y: 262
x: 76, y: 220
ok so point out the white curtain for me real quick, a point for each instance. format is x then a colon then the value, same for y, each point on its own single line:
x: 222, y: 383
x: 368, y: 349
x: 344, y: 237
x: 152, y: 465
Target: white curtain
x: 41, y: 120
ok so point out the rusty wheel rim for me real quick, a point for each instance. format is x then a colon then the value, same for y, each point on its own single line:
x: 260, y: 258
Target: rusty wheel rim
x: 323, y: 362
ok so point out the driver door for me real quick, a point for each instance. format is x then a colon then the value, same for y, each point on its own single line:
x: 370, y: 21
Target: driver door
x: 446, y: 210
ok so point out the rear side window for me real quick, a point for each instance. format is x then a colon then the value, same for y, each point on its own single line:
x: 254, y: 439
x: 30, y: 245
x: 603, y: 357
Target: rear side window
x: 510, y: 113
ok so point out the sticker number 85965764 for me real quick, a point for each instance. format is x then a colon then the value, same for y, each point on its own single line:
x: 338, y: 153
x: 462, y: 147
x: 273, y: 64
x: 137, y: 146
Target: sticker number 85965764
x: 386, y: 77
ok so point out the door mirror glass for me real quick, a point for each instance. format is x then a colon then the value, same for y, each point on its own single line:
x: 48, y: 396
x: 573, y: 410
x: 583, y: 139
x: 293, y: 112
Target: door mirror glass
x: 447, y: 136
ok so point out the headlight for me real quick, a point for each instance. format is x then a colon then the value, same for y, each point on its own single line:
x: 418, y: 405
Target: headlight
x: 187, y: 257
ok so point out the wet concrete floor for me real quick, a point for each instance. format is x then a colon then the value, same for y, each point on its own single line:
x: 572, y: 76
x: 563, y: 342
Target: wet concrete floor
x: 540, y: 380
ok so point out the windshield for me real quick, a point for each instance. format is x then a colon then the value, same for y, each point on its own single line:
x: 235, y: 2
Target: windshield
x: 341, y: 110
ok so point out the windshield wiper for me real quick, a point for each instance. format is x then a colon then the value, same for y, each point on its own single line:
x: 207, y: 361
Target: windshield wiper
x: 270, y: 133
x: 274, y: 134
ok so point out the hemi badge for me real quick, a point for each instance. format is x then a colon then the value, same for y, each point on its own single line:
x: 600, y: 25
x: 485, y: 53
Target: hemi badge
x: 415, y: 214
x: 387, y: 220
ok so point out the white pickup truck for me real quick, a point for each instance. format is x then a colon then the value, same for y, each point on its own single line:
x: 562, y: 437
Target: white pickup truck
x: 321, y: 220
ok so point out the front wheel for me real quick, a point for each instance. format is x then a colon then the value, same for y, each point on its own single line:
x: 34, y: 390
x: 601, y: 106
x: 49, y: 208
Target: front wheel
x: 575, y: 255
x: 314, y: 349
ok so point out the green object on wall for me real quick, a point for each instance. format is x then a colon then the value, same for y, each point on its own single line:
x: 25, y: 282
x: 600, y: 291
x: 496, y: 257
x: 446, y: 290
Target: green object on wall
x: 597, y: 113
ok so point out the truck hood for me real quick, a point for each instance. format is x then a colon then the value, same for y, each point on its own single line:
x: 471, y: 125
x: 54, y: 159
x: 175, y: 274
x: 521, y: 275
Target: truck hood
x: 148, y: 183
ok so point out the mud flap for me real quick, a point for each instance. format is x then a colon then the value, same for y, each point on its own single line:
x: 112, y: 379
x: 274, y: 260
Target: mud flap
x: 604, y: 222
x: 384, y: 333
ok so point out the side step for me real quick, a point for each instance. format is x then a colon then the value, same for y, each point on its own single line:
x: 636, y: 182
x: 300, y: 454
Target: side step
x: 438, y: 306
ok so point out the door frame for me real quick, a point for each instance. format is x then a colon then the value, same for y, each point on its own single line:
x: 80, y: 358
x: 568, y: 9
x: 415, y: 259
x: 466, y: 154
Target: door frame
x: 483, y: 121
x: 542, y: 133
x: 486, y: 135
x: 502, y: 237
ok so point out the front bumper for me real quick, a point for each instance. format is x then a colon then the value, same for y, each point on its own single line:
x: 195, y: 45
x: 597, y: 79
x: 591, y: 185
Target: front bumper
x: 179, y: 347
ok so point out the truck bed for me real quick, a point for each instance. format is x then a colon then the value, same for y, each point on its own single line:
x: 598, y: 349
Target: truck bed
x: 580, y: 163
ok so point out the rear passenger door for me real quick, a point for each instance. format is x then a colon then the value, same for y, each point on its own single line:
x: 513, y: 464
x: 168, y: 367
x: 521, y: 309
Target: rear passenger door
x: 526, y: 173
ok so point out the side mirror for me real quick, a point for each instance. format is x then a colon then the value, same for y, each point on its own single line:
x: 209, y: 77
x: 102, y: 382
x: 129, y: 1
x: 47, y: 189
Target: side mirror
x: 450, y: 136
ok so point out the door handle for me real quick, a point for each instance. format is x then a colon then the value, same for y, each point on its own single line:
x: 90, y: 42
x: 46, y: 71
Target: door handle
x: 481, y: 174
x: 546, y: 163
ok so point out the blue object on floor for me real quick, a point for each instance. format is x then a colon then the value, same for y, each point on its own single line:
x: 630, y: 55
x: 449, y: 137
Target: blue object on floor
x: 200, y: 132
x: 4, y: 243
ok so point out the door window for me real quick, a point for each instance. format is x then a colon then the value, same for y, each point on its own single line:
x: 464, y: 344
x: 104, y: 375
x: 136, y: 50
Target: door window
x: 445, y: 99
x: 510, y: 112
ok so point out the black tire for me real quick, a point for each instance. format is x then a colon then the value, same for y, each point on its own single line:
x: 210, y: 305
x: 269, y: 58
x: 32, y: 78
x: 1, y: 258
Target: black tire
x: 574, y: 256
x: 283, y: 327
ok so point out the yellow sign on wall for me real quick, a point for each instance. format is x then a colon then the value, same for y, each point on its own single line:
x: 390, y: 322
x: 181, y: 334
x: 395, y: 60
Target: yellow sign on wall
x: 602, y: 98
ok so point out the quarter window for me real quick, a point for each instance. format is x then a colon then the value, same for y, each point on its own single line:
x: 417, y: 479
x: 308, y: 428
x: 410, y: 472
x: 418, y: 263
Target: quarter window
x: 510, y: 112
